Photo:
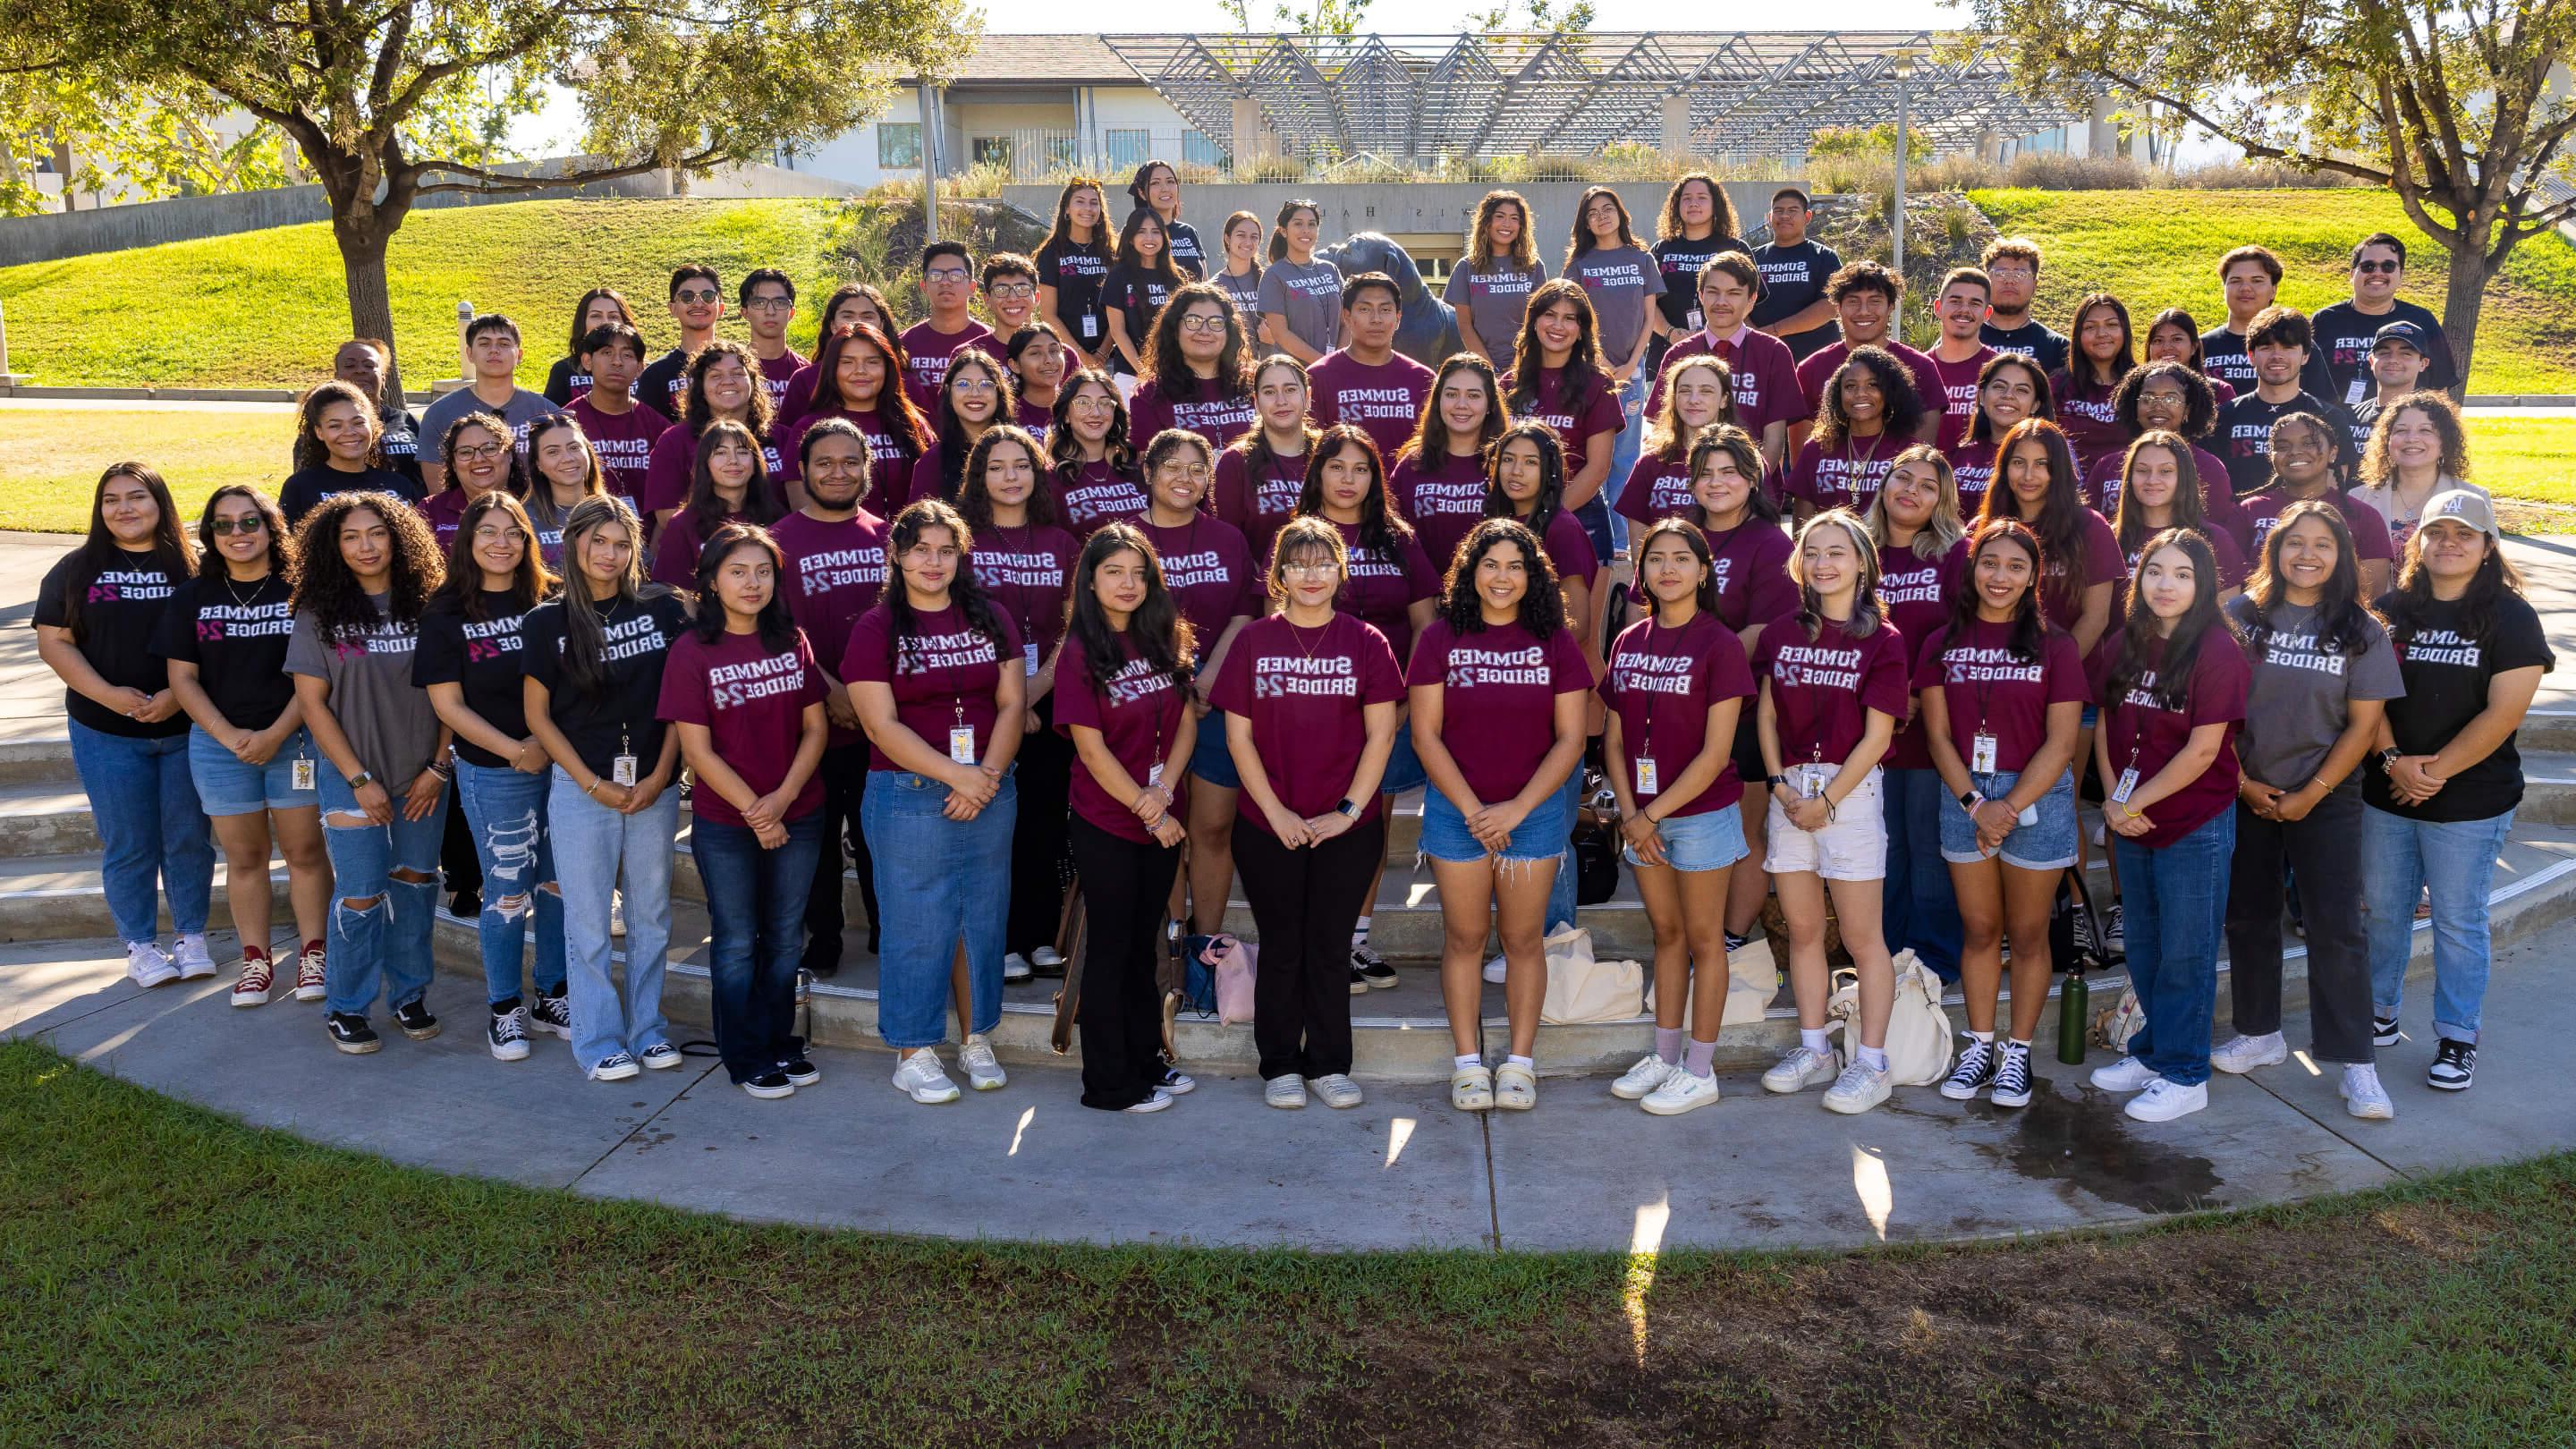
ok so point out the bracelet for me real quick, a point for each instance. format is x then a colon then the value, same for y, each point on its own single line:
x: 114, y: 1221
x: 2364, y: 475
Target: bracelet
x: 2129, y: 809
x: 592, y: 789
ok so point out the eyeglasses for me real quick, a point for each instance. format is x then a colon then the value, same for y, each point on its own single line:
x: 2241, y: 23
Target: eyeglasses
x: 691, y: 297
x: 1201, y: 322
x: 1188, y: 472
x: 971, y: 385
x: 945, y: 277
x: 2021, y: 274
x: 2387, y: 266
x: 478, y: 452
x: 771, y: 304
x: 227, y: 527
x: 1310, y: 570
x: 505, y: 534
x: 1015, y: 291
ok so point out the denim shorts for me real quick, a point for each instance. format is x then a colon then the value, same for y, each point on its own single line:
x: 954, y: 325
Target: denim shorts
x: 1211, y: 763
x: 1853, y: 843
x: 1404, y: 768
x: 1710, y: 840
x: 226, y: 786
x: 1541, y: 836
x: 2092, y: 716
x: 2048, y: 843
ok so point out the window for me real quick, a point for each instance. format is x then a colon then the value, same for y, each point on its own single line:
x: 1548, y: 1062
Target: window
x: 1127, y: 149
x: 1198, y: 149
x: 899, y: 144
x: 994, y: 150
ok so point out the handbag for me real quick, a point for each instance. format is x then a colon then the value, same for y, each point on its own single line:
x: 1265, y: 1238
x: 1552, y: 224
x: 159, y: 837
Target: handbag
x: 1595, y: 848
x: 2114, y: 1026
x: 1581, y: 989
x: 1234, y: 971
x: 1918, y: 1029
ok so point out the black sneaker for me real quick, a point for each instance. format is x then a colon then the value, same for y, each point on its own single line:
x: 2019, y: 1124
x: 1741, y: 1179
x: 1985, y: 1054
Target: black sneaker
x: 800, y: 1071
x: 769, y: 1084
x: 2115, y: 932
x: 350, y: 1033
x: 822, y: 964
x: 2085, y: 945
x: 466, y: 905
x: 1735, y: 943
x: 1976, y: 1069
x: 2453, y: 1063
x: 1369, y: 969
x: 552, y: 1013
x: 507, y: 1035
x: 2012, y: 1077
x: 2383, y: 1030
x: 416, y: 1022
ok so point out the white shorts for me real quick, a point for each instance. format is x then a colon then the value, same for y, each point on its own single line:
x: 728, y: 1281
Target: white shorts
x: 1853, y: 844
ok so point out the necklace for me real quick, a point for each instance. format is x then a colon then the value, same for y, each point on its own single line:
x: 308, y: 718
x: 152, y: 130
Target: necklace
x: 257, y: 584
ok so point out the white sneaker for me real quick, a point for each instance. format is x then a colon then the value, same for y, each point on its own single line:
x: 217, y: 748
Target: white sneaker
x: 2363, y: 1096
x: 1047, y: 957
x: 1679, y: 1092
x: 195, y: 963
x: 1015, y: 968
x: 148, y: 968
x: 1155, y: 1102
x: 921, y: 1075
x: 983, y: 1072
x: 1338, y: 1091
x: 1650, y: 1072
x: 2163, y: 1101
x: 2242, y: 1054
x: 2128, y: 1074
x: 1857, y: 1090
x: 1494, y: 971
x: 1287, y: 1093
x: 1802, y: 1068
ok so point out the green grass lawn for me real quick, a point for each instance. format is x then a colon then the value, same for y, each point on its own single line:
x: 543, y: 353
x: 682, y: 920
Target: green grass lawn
x: 264, y: 309
x: 175, y: 1278
x: 2158, y: 249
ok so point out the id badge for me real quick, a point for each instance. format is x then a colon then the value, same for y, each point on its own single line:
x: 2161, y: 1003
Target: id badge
x: 1981, y: 752
x: 1090, y: 326
x: 621, y: 770
x: 961, y: 744
x: 2128, y: 782
x: 303, y: 774
x: 1154, y: 776
x: 1695, y: 320
x: 1647, y: 783
x: 1029, y: 660
x: 2359, y: 389
x: 1810, y: 784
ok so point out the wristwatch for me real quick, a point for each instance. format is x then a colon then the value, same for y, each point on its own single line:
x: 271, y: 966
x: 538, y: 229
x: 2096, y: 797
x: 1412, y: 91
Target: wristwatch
x: 1348, y: 809
x: 2388, y: 761
x: 1775, y: 781
x: 362, y: 779
x: 1970, y: 801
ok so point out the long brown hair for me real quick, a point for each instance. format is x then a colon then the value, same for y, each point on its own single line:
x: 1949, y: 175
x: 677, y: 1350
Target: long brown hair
x: 1156, y: 630
x: 98, y: 552
x: 1480, y: 236
x: 1429, y: 445
x: 1583, y: 369
x: 2182, y: 649
x: 2060, y: 524
x: 463, y: 586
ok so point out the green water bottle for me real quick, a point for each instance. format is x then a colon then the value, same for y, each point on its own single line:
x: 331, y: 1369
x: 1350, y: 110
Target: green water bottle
x: 2074, y: 1013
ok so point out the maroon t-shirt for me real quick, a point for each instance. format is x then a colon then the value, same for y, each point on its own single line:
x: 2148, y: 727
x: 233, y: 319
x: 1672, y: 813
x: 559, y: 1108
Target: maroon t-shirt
x: 444, y: 512
x: 945, y: 675
x: 1385, y: 399
x: 777, y: 374
x: 1037, y: 418
x: 752, y: 700
x: 1568, y: 548
x: 889, y: 466
x: 2231, y: 574
x: 1914, y: 595
x: 2369, y: 530
x: 624, y: 442
x: 1955, y: 385
x: 834, y: 570
x: 1444, y: 502
x: 1498, y: 698
x: 1656, y: 488
x: 1096, y: 496
x: 2103, y: 564
x: 2145, y: 736
x: 927, y: 352
x: 1847, y: 475
x: 1765, y: 374
x: 1822, y: 689
x: 667, y: 468
x: 1575, y: 430
x: 1028, y: 573
x: 1139, y: 712
x: 1259, y: 506
x: 1750, y: 565
x: 794, y: 401
x: 1663, y: 683
x: 1303, y: 691
x: 675, y: 550
x: 2217, y: 493
x: 1986, y: 687
x: 1207, y: 565
x: 1381, y: 590
x: 1817, y: 368
x: 2084, y: 412
x: 1973, y: 466
x: 1200, y: 406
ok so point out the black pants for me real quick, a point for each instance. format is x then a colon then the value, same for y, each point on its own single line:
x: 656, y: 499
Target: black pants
x: 2325, y: 851
x: 1125, y: 885
x: 845, y: 779
x: 458, y: 860
x: 1037, y: 838
x: 1304, y: 904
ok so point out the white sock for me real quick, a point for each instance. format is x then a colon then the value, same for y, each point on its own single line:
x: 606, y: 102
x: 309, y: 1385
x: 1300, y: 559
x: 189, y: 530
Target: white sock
x: 1522, y: 1062
x: 1874, y: 1058
x: 1359, y: 932
x: 1819, y: 1041
x: 2018, y: 1044
x: 1986, y: 1037
x: 1469, y: 1059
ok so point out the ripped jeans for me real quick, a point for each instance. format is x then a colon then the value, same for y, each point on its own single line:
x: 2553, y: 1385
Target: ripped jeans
x: 388, y: 936
x: 506, y: 811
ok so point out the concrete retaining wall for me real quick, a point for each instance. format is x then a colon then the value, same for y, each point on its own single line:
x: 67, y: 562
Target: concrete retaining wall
x: 1413, y: 207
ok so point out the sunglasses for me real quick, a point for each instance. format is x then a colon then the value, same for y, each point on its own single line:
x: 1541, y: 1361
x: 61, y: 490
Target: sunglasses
x: 2386, y: 266
x: 227, y: 527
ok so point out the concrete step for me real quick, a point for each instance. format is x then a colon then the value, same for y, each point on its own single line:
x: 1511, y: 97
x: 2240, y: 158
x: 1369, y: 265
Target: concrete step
x: 50, y: 897
x: 45, y: 817
x: 37, y: 755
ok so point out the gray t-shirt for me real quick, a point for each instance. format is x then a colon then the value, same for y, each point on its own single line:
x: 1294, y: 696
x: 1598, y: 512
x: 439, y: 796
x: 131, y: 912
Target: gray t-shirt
x: 1624, y: 283
x: 1307, y: 299
x: 386, y: 717
x: 521, y: 414
x: 2301, y: 697
x: 1494, y: 296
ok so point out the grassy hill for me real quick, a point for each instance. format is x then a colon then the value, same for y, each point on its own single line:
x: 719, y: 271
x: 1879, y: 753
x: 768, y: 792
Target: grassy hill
x: 2158, y: 249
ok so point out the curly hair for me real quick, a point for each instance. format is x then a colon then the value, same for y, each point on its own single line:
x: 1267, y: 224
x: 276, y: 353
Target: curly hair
x: 1174, y: 440
x: 1065, y: 448
x: 514, y: 466
x: 309, y: 451
x: 2200, y: 404
x: 698, y: 414
x: 1542, y: 607
x: 1162, y: 638
x: 325, y: 584
x: 1900, y: 407
x: 974, y: 500
x: 964, y: 593
x: 2378, y: 469
x: 281, y: 542
x: 1169, y: 370
x: 1430, y: 441
x: 462, y: 589
x: 1523, y: 253
x: 1721, y: 212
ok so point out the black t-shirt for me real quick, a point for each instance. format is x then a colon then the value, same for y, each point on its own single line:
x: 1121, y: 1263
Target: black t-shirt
x: 307, y: 487
x: 120, y: 615
x: 1187, y: 256
x: 2447, y: 672
x: 627, y: 711
x: 1076, y: 270
x: 484, y: 656
x: 1680, y: 259
x: 2364, y: 417
x: 2243, y: 436
x: 1138, y: 295
x: 399, y: 446
x: 2032, y: 339
x: 236, y: 636
x: 663, y: 386
x: 2344, y: 332
x: 2224, y: 359
x: 563, y: 378
x: 1792, y: 277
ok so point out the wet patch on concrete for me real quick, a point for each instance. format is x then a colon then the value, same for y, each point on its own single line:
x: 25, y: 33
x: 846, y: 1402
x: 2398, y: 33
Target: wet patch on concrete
x: 2086, y: 1142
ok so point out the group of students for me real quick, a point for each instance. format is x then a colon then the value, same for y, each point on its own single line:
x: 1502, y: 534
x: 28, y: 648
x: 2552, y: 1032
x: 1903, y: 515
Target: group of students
x: 1161, y: 587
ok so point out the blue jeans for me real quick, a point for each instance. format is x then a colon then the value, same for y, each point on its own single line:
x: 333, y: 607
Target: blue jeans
x: 1623, y: 456
x: 597, y: 850
x: 2399, y: 857
x: 2174, y: 901
x: 940, y: 882
x: 389, y: 938
x: 756, y: 936
x: 152, y: 836
x: 1560, y: 893
x: 1919, y: 909
x: 506, y: 811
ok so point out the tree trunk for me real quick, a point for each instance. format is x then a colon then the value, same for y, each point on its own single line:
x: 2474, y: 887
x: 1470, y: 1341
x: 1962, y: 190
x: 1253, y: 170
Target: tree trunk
x: 2461, y: 301
x: 371, y: 308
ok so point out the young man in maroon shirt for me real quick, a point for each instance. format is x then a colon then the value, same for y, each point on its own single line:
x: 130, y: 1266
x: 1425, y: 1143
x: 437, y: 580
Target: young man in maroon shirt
x: 1961, y: 352
x: 768, y: 300
x: 1865, y: 295
x: 948, y: 291
x: 1369, y: 383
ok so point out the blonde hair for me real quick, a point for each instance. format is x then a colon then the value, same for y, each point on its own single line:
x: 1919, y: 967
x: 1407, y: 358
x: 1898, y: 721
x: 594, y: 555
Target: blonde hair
x: 1943, y: 530
x: 1811, y: 607
x: 1666, y: 436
